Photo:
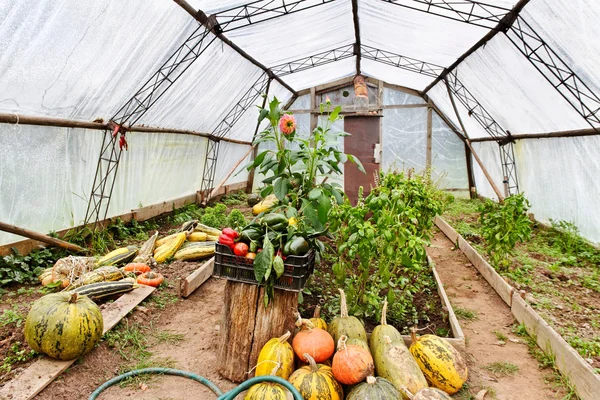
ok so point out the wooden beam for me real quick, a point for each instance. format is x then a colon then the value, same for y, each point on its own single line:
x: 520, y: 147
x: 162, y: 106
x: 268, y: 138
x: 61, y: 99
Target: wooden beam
x: 470, y: 176
x: 561, y: 134
x: 41, y: 237
x: 357, y: 41
x: 201, y: 17
x: 503, y: 26
x: 429, y: 140
x: 70, y: 123
x: 197, y: 278
x: 40, y: 374
x: 314, y: 120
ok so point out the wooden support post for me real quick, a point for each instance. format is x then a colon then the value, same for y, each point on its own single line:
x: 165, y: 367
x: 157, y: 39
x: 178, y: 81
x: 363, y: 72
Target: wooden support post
x: 470, y: 176
x: 468, y: 143
x: 41, y: 237
x: 313, y: 106
x: 429, y: 140
x: 247, y: 325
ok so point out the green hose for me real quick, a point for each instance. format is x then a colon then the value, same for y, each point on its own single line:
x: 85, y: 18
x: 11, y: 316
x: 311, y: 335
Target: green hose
x: 170, y: 371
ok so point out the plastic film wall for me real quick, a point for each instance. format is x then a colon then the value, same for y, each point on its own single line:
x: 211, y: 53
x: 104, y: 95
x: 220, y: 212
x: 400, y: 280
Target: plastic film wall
x: 46, y: 174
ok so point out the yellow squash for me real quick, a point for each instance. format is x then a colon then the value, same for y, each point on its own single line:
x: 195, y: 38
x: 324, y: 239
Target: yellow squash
x: 316, y: 382
x: 441, y: 363
x: 276, y: 358
x: 268, y: 391
x: 269, y: 202
x: 169, y: 249
x: 197, y: 237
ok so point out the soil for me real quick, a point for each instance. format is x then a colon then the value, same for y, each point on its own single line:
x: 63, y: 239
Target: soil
x: 467, y: 289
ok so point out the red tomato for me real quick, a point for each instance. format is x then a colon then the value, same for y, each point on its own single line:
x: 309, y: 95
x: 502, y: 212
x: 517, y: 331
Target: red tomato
x: 240, y: 249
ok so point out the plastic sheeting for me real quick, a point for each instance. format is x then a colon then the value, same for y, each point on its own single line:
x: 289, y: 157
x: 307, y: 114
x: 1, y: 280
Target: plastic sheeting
x: 559, y: 176
x: 395, y: 75
x: 323, y: 74
x: 404, y: 139
x: 448, y: 159
x: 397, y: 97
x: 489, y: 153
x: 46, y: 174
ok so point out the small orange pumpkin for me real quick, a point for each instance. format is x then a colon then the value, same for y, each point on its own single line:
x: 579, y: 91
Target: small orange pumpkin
x: 150, y: 279
x: 137, y: 268
x: 315, y: 342
x: 351, y: 363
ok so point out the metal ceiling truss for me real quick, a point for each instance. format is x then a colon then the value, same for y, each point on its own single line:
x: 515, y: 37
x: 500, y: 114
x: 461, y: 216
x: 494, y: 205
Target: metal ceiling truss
x: 471, y: 12
x: 399, y: 61
x: 248, y: 99
x: 315, y: 60
x: 261, y: 11
x: 556, y: 71
x: 114, y: 140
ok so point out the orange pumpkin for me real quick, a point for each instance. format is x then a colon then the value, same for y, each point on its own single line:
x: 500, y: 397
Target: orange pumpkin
x: 351, y: 363
x: 137, y: 268
x: 150, y: 279
x: 315, y: 342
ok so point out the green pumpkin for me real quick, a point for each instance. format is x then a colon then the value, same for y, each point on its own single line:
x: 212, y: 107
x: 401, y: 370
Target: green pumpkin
x: 346, y: 325
x: 253, y: 199
x: 377, y: 336
x: 358, y: 342
x: 374, y: 389
x: 64, y: 325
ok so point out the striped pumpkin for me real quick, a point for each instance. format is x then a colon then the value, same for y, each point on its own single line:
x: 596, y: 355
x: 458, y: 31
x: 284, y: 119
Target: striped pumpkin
x: 268, y: 391
x: 316, y: 382
x: 316, y: 320
x: 276, y: 358
x: 441, y: 363
x: 374, y: 389
x: 63, y: 325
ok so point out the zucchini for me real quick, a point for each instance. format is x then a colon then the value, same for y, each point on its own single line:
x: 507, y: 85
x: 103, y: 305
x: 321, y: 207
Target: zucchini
x: 104, y: 289
x: 208, y: 230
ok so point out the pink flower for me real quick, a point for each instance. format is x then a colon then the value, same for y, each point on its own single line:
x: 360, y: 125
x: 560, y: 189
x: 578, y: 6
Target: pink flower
x: 327, y: 100
x: 287, y: 124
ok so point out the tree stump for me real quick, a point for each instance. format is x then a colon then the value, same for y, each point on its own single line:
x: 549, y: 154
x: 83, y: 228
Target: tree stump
x: 247, y: 325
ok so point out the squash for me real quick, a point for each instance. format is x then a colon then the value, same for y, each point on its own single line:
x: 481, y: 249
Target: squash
x: 63, y: 325
x: 351, y: 363
x: 374, y: 389
x: 313, y: 341
x: 191, y: 251
x: 359, y: 342
x: 277, y: 352
x: 45, y: 277
x: 383, y: 329
x: 253, y: 198
x: 210, y: 231
x: 104, y: 289
x: 346, y: 325
x: 268, y: 391
x: 441, y: 363
x: 102, y: 274
x: 145, y: 253
x: 197, y: 237
x: 316, y: 320
x: 428, y: 394
x: 269, y: 202
x: 118, y: 256
x: 316, y: 381
x: 394, y: 362
x: 168, y: 250
x: 137, y: 268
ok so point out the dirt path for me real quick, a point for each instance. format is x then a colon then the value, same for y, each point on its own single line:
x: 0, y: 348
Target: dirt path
x: 468, y: 290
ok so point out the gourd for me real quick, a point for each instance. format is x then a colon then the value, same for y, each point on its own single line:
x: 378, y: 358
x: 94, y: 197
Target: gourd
x: 346, y: 325
x: 150, y: 279
x: 104, y: 289
x: 45, y: 277
x: 383, y: 329
x: 268, y: 391
x: 359, y: 342
x: 253, y: 199
x: 394, y: 362
x: 374, y: 389
x: 351, y: 363
x: 145, y: 253
x: 316, y: 320
x: 167, y: 250
x: 276, y: 353
x: 427, y: 394
x: 313, y: 341
x: 316, y: 381
x: 197, y: 237
x: 118, y: 256
x: 269, y: 202
x: 63, y: 325
x: 210, y: 231
x: 192, y: 251
x: 441, y: 363
x: 103, y: 274
x: 137, y: 268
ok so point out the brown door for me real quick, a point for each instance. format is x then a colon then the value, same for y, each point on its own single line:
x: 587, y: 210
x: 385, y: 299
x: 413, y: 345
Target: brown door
x: 364, y: 131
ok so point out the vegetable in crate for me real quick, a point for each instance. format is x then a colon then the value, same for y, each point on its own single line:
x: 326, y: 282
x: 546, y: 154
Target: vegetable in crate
x: 313, y: 341
x: 230, y: 232
x: 240, y: 249
x: 351, y: 363
x: 276, y: 358
x: 296, y: 246
x: 150, y: 279
x: 394, y: 362
x: 99, y: 290
x: 118, y: 256
x: 226, y: 241
x: 441, y: 363
x: 374, y: 389
x: 383, y: 329
x: 63, y: 325
x: 316, y: 381
x: 253, y: 199
x: 345, y: 324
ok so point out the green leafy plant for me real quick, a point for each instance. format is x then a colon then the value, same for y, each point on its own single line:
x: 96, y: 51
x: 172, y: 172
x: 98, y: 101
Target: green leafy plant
x: 16, y: 268
x: 236, y: 219
x: 16, y: 354
x: 215, y: 217
x: 503, y: 226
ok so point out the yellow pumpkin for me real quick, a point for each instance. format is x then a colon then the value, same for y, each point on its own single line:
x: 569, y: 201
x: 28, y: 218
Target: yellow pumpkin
x: 441, y: 363
x: 276, y: 353
x: 316, y: 320
x: 268, y: 391
x: 316, y: 382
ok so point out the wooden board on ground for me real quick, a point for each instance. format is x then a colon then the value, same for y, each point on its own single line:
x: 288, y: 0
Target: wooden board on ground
x: 567, y: 360
x: 457, y: 331
x: 197, y: 278
x: 447, y: 229
x: 40, y: 374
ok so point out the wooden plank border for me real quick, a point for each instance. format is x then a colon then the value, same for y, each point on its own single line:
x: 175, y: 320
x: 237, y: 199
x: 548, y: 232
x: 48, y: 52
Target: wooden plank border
x: 40, y: 374
x: 197, y: 278
x: 581, y: 375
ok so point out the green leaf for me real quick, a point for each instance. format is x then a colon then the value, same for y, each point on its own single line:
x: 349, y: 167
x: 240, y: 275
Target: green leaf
x: 356, y: 161
x: 310, y: 214
x: 281, y: 188
x: 266, y: 191
x: 315, y: 194
x: 323, y: 209
x: 334, y: 114
x: 264, y: 261
x: 262, y: 114
x: 278, y: 266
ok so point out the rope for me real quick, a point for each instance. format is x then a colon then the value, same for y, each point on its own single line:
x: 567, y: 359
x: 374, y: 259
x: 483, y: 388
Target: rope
x: 221, y: 396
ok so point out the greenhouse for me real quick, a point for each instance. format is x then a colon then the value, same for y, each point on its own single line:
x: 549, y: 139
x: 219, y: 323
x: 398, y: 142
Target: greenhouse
x: 332, y: 199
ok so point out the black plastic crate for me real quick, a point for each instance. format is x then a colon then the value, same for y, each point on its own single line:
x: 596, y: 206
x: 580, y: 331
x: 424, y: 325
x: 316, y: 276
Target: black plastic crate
x: 241, y: 269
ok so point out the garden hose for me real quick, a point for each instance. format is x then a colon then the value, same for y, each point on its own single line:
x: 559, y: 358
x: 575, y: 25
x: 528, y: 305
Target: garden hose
x: 221, y: 396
